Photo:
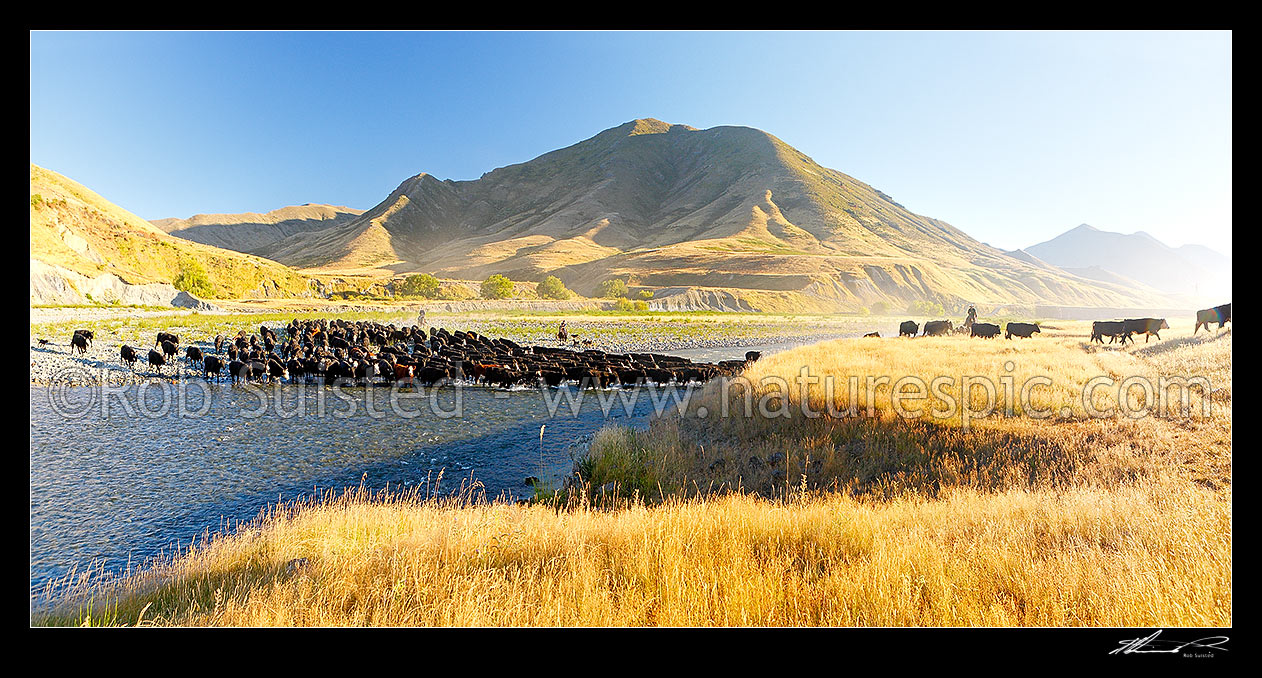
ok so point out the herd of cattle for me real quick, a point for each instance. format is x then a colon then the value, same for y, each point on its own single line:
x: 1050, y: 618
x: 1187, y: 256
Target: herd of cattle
x: 1123, y: 330
x: 366, y: 353
x: 937, y: 328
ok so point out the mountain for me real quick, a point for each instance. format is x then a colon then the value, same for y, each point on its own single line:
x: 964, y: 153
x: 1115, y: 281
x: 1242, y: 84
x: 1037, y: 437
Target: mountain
x: 250, y: 231
x: 1192, y: 271
x: 81, y: 241
x: 676, y: 208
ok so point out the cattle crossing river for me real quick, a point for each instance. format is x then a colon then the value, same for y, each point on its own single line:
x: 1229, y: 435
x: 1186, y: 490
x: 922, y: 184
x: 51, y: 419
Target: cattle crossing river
x: 127, y: 480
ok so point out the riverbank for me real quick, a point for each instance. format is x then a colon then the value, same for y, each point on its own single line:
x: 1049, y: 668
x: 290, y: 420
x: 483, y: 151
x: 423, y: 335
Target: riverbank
x: 782, y: 519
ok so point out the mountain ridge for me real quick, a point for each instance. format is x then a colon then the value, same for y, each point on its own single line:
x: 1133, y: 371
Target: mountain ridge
x: 666, y: 205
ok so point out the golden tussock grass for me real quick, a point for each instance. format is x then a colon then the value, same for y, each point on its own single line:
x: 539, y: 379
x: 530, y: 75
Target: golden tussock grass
x: 880, y: 521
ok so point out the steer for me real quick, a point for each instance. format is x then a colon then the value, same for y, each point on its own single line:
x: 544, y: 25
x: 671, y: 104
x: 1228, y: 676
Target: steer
x: 935, y: 328
x: 212, y: 366
x: 1109, y: 328
x: 193, y: 354
x: 1146, y: 326
x: 1023, y: 330
x: 128, y: 354
x: 985, y: 330
x: 79, y: 343
x: 908, y: 329
x: 156, y: 360
x: 1218, y: 314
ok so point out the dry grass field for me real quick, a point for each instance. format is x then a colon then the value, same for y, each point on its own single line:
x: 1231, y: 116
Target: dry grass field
x: 879, y: 519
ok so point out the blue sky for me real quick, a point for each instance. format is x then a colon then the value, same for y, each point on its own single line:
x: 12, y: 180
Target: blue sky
x: 1013, y: 137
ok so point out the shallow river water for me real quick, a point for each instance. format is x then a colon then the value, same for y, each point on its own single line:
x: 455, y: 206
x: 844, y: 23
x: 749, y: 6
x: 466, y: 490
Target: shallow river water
x: 119, y: 475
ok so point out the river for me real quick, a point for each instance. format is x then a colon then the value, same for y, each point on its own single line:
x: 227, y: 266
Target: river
x: 119, y: 475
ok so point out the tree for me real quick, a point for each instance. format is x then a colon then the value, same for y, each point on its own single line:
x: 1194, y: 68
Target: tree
x: 623, y: 304
x: 552, y: 288
x: 420, y: 285
x: 880, y: 308
x: 497, y: 287
x: 645, y: 294
x: 193, y: 279
x: 612, y: 289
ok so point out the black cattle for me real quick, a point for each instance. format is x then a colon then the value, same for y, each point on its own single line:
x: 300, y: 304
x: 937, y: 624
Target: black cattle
x: 166, y: 336
x: 156, y: 360
x: 79, y: 343
x: 751, y: 356
x: 193, y: 354
x: 212, y: 365
x: 1146, y: 326
x: 238, y: 370
x: 258, y: 369
x: 875, y: 335
x: 908, y: 329
x: 169, y: 349
x: 985, y: 330
x: 1023, y: 330
x: 1113, y: 329
x: 275, y: 370
x: 128, y: 354
x: 338, y: 371
x: 88, y: 336
x: 935, y: 328
x: 1218, y: 314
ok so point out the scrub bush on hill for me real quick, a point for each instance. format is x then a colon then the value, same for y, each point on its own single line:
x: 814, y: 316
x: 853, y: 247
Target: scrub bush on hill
x: 497, y: 287
x: 552, y: 288
x: 421, y: 285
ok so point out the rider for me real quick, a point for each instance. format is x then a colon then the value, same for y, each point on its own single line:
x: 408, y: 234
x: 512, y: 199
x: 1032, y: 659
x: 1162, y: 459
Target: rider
x: 561, y: 333
x: 972, y: 315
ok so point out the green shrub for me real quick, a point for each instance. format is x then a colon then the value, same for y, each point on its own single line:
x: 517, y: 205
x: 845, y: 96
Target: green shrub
x: 612, y: 289
x: 497, y: 287
x: 624, y: 304
x: 419, y: 285
x: 193, y: 279
x: 553, y: 288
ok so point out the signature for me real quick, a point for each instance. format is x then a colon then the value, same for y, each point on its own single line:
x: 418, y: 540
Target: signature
x: 1152, y: 645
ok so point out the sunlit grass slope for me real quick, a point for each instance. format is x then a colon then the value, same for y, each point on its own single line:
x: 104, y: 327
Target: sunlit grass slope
x: 77, y: 229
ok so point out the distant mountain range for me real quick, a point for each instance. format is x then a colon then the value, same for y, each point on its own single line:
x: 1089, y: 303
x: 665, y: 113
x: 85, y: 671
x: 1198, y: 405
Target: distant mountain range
x: 726, y: 218
x: 1191, y: 271
x: 251, y: 232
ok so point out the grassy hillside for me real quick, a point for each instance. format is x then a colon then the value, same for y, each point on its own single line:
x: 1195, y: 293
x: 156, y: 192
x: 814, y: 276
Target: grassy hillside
x: 868, y: 521
x: 729, y: 208
x: 77, y: 229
